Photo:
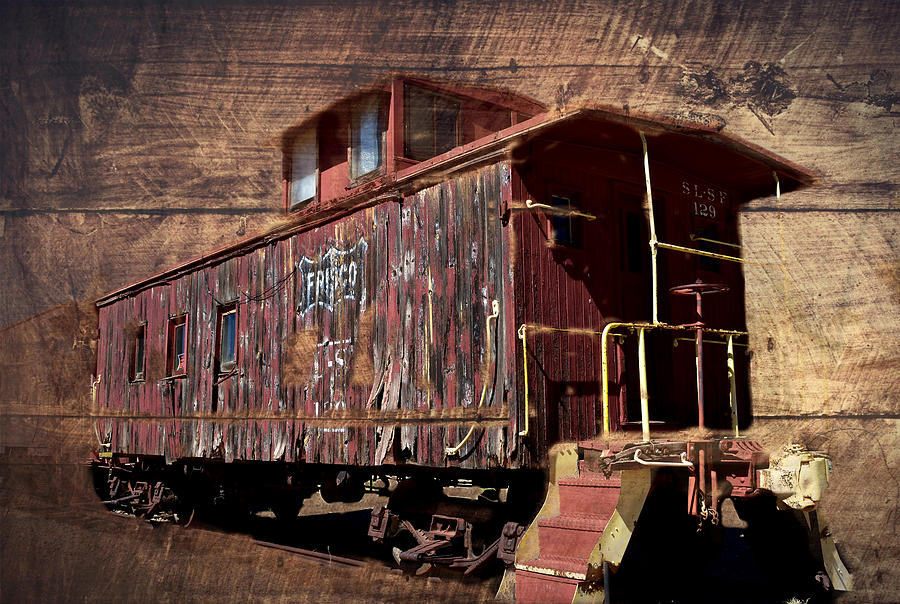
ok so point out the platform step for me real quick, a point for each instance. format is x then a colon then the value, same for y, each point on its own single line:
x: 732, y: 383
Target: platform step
x: 570, y: 535
x: 541, y: 587
x: 577, y: 522
x: 586, y: 503
x: 594, y: 479
x: 565, y: 566
x: 589, y: 494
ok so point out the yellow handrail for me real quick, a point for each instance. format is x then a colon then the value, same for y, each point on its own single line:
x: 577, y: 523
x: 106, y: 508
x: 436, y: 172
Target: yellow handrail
x: 522, y: 336
x: 495, y: 308
x: 732, y: 389
x: 642, y: 367
x: 690, y: 250
x: 695, y: 238
x: 521, y: 332
x: 604, y: 366
x: 604, y: 372
x: 558, y: 210
x: 94, y: 385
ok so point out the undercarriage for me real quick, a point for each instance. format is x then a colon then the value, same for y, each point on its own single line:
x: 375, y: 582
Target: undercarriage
x: 593, y: 529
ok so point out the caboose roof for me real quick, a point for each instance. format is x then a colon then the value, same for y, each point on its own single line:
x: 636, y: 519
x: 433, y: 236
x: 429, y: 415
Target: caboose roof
x: 492, y: 96
x: 703, y: 149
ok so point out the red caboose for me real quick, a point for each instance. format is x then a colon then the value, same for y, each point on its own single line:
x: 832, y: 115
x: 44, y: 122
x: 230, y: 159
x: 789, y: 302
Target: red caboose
x: 462, y: 293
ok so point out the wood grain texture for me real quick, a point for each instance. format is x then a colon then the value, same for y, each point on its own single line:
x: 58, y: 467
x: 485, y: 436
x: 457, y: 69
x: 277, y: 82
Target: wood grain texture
x: 133, y: 138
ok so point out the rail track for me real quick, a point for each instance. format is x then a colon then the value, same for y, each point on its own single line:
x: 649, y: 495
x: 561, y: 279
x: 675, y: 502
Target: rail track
x: 314, y: 556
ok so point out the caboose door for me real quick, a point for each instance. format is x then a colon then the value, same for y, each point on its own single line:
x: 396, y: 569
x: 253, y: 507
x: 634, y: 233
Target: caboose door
x: 634, y: 283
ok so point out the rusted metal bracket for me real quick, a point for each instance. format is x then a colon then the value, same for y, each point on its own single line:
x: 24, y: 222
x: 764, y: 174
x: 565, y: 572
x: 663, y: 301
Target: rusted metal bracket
x: 708, y: 463
x: 509, y: 540
x: 448, y: 542
x: 382, y: 524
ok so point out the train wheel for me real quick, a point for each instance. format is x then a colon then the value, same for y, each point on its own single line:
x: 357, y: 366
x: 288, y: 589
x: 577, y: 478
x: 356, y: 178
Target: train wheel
x: 287, y: 508
x: 415, y: 497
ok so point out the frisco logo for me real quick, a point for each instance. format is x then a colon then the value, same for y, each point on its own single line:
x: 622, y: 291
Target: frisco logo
x: 336, y: 276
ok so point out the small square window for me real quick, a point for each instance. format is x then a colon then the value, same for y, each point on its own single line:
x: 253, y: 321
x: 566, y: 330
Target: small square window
x: 176, y: 361
x: 565, y: 229
x: 634, y: 242
x: 366, y: 138
x: 706, y: 263
x: 137, y: 354
x: 304, y: 173
x: 227, y: 328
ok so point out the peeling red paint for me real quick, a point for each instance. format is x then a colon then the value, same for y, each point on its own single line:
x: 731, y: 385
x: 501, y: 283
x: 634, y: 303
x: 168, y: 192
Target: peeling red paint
x: 428, y: 271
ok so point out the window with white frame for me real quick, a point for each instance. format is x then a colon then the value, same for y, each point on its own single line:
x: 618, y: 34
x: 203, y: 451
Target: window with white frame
x: 366, y: 137
x: 137, y: 354
x: 227, y: 327
x: 176, y: 359
x: 304, y: 173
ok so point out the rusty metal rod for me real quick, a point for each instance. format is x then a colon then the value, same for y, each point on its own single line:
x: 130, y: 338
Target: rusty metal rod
x: 121, y: 499
x: 313, y: 555
x: 699, y: 359
x: 682, y: 463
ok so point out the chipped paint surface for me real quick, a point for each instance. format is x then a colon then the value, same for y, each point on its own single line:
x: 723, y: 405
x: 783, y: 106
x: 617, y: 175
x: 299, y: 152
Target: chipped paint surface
x: 345, y: 333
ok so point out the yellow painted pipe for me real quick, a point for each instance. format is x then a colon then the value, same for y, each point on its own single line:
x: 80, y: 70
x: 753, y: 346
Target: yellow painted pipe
x: 524, y: 432
x: 653, y: 240
x: 604, y: 355
x: 695, y: 238
x: 645, y: 397
x: 604, y: 373
x: 558, y: 210
x: 690, y: 250
x: 495, y: 308
x: 732, y: 389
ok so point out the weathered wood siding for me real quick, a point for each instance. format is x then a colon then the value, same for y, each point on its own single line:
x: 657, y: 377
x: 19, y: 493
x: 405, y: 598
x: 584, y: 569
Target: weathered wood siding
x: 345, y: 331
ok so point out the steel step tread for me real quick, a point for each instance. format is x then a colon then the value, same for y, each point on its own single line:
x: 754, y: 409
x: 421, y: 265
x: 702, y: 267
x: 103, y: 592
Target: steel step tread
x: 593, y: 479
x: 580, y: 522
x: 556, y: 566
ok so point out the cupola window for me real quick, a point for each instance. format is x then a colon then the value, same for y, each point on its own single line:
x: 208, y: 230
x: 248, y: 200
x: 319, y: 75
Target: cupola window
x: 303, y: 169
x: 432, y: 124
x: 366, y: 142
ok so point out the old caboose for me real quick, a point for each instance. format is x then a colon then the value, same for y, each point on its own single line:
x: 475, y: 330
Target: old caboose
x: 467, y: 289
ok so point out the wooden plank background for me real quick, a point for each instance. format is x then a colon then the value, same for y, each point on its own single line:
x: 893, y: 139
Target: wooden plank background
x: 134, y: 136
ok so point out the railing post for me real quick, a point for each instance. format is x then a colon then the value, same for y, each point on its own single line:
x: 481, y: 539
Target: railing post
x: 732, y: 389
x: 604, y: 374
x: 653, y: 240
x: 642, y: 369
x: 522, y: 336
x: 701, y: 422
